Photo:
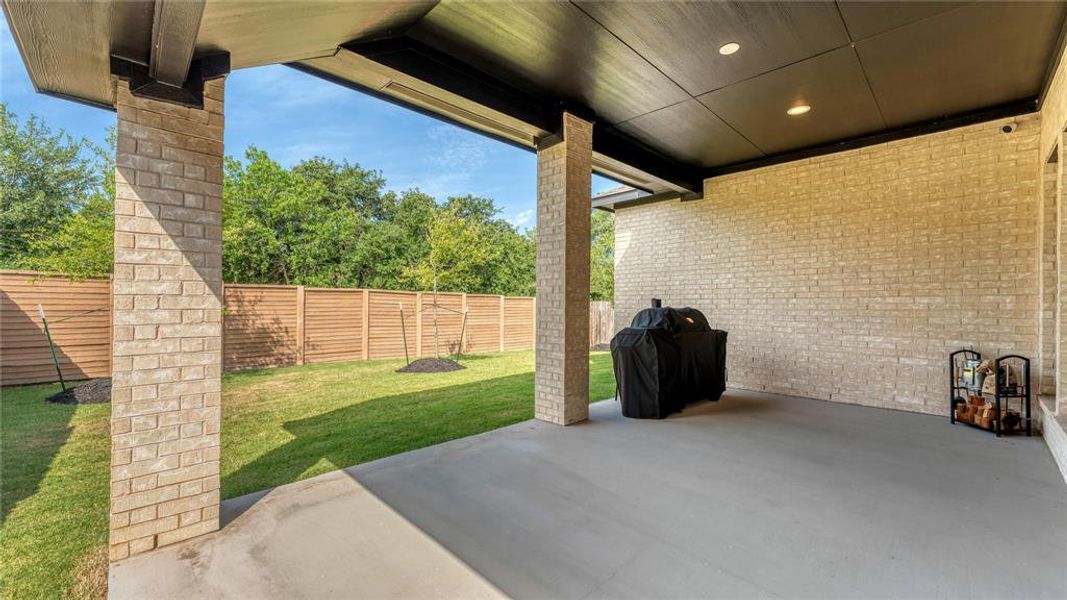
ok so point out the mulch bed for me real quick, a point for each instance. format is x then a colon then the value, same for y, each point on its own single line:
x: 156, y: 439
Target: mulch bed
x: 600, y: 347
x: 431, y: 365
x: 94, y: 391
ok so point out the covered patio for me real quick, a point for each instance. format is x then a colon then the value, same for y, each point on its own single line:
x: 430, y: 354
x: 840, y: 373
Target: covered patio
x: 754, y: 496
x: 852, y: 189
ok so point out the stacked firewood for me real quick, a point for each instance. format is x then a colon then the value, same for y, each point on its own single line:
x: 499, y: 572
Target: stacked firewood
x: 978, y: 411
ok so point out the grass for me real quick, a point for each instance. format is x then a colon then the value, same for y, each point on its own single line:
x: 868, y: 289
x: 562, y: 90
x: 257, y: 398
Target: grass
x: 279, y: 425
x: 54, y: 493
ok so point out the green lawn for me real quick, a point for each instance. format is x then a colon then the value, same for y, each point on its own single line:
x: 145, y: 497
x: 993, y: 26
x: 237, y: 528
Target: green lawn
x: 279, y: 425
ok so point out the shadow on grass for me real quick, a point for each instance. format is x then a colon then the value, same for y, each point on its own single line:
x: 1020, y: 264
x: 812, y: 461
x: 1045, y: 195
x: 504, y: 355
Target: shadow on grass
x: 385, y: 426
x: 33, y: 432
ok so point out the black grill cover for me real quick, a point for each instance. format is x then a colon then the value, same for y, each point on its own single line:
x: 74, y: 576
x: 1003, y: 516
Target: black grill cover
x: 667, y: 358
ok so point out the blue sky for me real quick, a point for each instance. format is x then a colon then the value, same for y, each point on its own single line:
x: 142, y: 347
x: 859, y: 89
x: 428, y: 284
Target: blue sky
x: 295, y: 116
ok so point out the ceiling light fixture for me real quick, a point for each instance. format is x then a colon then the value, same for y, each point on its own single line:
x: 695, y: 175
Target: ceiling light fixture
x: 728, y: 49
x: 798, y: 110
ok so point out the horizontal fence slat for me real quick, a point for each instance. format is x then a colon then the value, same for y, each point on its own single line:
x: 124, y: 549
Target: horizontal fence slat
x: 260, y: 325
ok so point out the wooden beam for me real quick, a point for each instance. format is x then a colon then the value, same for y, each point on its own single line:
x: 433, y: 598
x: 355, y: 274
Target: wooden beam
x: 63, y: 49
x: 438, y: 69
x: 1002, y: 111
x: 131, y: 31
x: 174, y: 30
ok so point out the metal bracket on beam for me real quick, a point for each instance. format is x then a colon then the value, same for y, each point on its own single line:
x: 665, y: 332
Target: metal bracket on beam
x: 190, y: 94
x: 548, y: 141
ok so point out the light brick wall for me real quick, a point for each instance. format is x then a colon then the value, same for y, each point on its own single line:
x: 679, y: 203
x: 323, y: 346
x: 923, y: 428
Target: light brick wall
x: 1053, y: 124
x: 1054, y: 283
x: 564, y: 173
x: 1048, y: 234
x: 166, y: 311
x: 851, y: 276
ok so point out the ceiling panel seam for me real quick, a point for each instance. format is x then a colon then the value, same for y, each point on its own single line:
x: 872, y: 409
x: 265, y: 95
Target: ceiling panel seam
x: 835, y: 48
x: 632, y: 49
x: 669, y: 78
x: 859, y: 61
x: 909, y: 23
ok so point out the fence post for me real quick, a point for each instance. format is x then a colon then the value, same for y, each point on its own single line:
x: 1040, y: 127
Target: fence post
x: 501, y: 323
x: 418, y: 324
x: 300, y: 325
x: 534, y: 319
x: 365, y: 323
x: 463, y: 330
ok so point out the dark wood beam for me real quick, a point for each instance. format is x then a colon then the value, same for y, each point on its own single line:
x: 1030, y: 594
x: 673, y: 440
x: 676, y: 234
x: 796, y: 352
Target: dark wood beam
x: 994, y: 113
x: 174, y: 28
x: 431, y: 66
x: 438, y: 69
x: 131, y: 30
x: 352, y: 85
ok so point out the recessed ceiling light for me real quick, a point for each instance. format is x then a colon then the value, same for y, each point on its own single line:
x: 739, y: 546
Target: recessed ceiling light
x: 798, y: 110
x: 728, y: 49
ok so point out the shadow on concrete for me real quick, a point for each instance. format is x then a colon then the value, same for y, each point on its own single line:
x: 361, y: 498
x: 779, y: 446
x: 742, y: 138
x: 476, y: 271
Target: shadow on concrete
x: 385, y: 426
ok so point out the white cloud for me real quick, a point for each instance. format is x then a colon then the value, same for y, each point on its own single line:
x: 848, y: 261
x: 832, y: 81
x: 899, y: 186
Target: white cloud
x: 523, y: 218
x: 454, y: 149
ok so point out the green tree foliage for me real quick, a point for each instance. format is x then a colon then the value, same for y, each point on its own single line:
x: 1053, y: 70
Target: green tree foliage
x: 602, y: 256
x: 461, y: 251
x: 320, y: 223
x: 45, y: 178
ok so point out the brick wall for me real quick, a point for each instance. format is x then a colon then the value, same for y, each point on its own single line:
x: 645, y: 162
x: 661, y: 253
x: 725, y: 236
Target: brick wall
x: 1054, y: 261
x: 851, y: 276
x: 564, y: 174
x: 166, y: 311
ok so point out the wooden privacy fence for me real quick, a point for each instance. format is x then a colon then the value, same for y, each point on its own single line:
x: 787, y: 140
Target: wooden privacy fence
x: 601, y: 322
x: 79, y: 318
x: 271, y: 326
x: 267, y: 325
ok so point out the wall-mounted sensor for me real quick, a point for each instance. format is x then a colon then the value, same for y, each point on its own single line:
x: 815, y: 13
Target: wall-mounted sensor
x: 1009, y: 127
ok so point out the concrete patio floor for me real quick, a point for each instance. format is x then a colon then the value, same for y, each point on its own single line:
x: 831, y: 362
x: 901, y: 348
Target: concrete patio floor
x: 753, y: 496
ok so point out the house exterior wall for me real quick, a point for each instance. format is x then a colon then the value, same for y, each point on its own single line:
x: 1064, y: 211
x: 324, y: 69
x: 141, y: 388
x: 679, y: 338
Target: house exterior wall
x: 851, y: 276
x: 1053, y: 410
x: 167, y: 329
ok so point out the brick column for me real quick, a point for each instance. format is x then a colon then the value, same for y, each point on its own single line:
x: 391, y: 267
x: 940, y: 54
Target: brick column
x: 166, y: 311
x: 1044, y: 370
x: 564, y: 172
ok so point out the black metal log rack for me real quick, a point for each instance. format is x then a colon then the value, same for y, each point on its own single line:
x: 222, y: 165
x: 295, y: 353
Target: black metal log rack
x: 964, y: 384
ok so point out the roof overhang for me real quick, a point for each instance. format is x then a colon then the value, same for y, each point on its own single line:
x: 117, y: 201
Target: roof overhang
x: 668, y: 109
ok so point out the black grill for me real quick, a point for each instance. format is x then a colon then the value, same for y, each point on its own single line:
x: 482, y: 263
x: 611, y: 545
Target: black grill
x: 667, y: 358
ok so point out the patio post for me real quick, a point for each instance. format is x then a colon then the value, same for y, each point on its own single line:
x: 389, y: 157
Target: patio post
x: 564, y: 172
x: 166, y: 312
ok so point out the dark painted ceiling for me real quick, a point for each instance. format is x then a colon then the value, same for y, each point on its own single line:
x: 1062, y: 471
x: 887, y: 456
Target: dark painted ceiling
x: 669, y: 108
x: 653, y: 69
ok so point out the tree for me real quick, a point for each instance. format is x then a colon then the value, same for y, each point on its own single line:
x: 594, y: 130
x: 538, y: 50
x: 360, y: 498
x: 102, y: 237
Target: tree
x: 602, y: 256
x: 514, y: 271
x: 349, y: 187
x: 319, y: 223
x: 277, y: 229
x: 388, y: 248
x: 460, y: 251
x: 84, y: 244
x: 45, y: 178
